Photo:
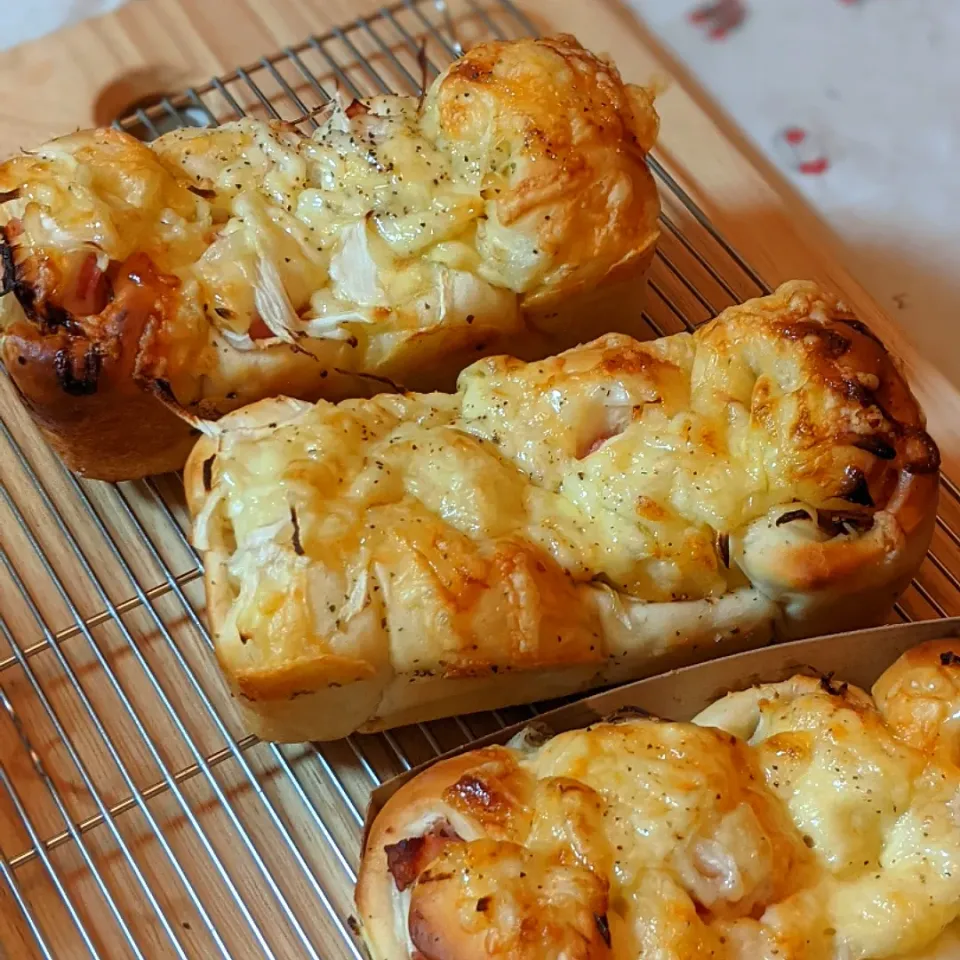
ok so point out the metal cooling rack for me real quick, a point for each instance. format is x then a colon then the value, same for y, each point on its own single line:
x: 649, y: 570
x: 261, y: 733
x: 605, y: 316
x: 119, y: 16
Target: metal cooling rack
x: 136, y: 820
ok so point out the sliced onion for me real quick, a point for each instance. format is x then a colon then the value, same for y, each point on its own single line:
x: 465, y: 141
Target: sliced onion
x: 163, y: 392
x: 243, y: 341
x: 328, y: 326
x: 354, y: 272
x: 357, y: 599
x: 265, y: 534
x: 335, y: 113
x: 273, y: 304
x: 239, y: 341
x: 201, y: 523
x: 238, y: 423
x: 209, y: 428
x: 322, y: 114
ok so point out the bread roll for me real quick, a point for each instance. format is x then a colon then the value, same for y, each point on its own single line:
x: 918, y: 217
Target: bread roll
x: 511, y: 209
x: 800, y: 820
x: 562, y: 524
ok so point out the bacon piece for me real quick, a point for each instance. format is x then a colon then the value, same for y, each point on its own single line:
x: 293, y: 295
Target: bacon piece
x: 616, y: 420
x: 407, y: 859
x: 598, y: 443
x: 356, y: 108
x: 91, y: 289
x: 259, y: 330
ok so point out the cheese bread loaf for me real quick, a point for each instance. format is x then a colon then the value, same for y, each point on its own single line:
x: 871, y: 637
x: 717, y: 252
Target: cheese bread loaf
x: 801, y: 820
x: 561, y: 524
x: 510, y: 208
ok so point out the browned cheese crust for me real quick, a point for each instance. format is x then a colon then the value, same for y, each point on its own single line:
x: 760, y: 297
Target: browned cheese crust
x: 801, y: 820
x: 558, y: 525
x: 511, y: 208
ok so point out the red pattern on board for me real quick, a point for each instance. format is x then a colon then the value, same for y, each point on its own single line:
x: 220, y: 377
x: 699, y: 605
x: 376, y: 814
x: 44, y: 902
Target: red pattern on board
x: 799, y: 148
x: 719, y: 17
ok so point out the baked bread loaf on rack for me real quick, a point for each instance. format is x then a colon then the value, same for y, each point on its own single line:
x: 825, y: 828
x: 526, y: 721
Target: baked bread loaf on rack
x: 511, y: 208
x: 559, y: 525
x: 800, y: 820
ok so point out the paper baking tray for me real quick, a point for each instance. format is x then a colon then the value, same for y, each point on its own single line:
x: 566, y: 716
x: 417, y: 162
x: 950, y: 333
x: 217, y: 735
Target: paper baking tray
x: 858, y: 657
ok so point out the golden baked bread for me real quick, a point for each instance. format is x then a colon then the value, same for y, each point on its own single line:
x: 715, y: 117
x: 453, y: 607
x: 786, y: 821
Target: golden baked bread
x: 800, y: 820
x: 511, y: 209
x: 562, y: 524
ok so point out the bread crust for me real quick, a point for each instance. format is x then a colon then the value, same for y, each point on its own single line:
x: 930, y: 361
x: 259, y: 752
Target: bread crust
x: 438, y: 623
x: 920, y: 696
x: 419, y: 802
x: 100, y: 422
x: 116, y: 318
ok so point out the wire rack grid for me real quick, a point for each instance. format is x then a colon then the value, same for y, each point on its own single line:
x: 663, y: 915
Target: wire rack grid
x: 136, y: 819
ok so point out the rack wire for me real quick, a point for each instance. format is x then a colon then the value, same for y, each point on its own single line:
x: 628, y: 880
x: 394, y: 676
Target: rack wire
x: 136, y: 819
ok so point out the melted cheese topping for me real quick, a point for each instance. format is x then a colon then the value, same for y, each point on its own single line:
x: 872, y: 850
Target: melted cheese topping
x: 618, y: 462
x: 823, y: 835
x: 394, y: 221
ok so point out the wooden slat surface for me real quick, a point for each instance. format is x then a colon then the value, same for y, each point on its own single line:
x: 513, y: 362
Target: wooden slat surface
x: 99, y: 594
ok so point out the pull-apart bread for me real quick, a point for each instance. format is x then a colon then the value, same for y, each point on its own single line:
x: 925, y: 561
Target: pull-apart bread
x: 509, y: 209
x: 801, y: 820
x: 562, y: 524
